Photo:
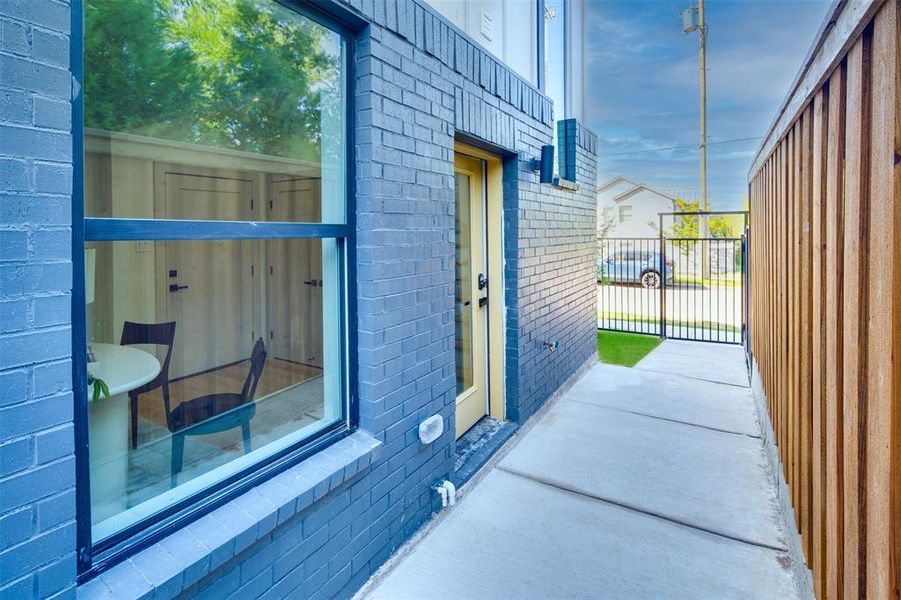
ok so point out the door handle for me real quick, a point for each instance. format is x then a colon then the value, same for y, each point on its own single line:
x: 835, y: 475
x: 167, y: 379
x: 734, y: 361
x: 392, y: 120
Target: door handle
x: 483, y: 281
x: 174, y: 287
x: 310, y: 282
x: 483, y: 301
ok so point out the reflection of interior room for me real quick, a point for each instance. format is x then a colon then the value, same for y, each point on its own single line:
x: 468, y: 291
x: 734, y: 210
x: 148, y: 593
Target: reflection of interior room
x: 200, y: 307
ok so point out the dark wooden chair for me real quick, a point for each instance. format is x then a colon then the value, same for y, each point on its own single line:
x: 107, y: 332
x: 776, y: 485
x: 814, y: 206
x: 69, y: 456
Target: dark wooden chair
x: 160, y: 334
x: 215, y: 413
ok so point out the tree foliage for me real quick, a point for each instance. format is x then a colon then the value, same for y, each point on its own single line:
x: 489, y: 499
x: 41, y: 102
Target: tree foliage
x: 724, y: 226
x: 242, y: 74
x: 686, y: 225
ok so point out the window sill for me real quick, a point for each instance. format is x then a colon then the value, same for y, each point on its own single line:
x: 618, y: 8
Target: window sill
x: 566, y: 184
x: 178, y: 561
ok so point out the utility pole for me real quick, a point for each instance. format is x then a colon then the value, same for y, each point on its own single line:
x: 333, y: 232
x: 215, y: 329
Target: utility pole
x: 693, y: 20
x: 702, y: 60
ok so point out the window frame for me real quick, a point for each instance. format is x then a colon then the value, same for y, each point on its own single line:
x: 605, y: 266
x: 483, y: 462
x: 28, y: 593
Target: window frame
x: 567, y: 58
x: 93, y: 558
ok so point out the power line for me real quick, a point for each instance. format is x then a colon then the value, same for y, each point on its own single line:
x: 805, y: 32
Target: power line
x: 684, y: 147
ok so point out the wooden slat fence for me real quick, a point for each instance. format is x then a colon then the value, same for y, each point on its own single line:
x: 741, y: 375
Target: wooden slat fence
x: 825, y: 323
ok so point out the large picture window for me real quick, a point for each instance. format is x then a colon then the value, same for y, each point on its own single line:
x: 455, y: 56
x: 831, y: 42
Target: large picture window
x: 216, y: 234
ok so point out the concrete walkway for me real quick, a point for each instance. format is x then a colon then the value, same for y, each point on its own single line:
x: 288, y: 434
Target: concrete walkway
x: 638, y: 483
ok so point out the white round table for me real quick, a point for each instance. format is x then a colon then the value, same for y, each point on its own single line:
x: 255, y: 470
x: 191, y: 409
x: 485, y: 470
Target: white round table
x: 123, y: 368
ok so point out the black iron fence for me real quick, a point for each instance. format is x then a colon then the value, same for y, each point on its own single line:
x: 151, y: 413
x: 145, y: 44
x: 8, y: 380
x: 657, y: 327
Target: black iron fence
x: 686, y: 288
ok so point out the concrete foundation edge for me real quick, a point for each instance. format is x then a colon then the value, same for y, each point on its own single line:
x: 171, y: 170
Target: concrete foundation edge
x: 499, y: 453
x: 802, y: 575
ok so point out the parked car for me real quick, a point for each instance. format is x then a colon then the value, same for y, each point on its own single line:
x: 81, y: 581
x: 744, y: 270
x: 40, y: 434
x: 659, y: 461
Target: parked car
x: 637, y: 266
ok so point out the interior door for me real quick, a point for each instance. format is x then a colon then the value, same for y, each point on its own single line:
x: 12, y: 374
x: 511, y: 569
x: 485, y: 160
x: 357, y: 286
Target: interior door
x: 294, y: 285
x: 471, y: 293
x: 208, y: 283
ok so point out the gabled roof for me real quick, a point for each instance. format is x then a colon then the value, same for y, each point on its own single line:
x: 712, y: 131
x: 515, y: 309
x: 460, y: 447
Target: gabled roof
x: 635, y: 187
x: 616, y: 180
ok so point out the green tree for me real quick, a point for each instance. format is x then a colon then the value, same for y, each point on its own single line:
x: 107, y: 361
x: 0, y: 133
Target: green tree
x: 723, y: 226
x: 686, y: 225
x: 242, y: 74
x: 137, y: 78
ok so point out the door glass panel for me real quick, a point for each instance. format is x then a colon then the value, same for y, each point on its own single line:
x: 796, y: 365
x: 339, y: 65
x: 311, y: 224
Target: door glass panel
x: 463, y: 286
x: 214, y: 354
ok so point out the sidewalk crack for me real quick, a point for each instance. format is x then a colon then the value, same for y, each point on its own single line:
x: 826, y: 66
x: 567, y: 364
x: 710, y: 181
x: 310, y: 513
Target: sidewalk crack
x: 742, y: 386
x: 641, y: 414
x: 637, y: 509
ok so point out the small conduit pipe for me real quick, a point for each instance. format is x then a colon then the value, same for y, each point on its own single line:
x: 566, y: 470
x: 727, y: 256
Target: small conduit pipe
x: 448, y: 493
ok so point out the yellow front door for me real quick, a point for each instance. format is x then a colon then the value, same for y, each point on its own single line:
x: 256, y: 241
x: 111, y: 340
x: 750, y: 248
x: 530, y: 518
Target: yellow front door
x: 471, y: 293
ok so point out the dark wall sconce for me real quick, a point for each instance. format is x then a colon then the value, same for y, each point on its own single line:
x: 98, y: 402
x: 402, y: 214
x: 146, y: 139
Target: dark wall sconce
x: 546, y: 166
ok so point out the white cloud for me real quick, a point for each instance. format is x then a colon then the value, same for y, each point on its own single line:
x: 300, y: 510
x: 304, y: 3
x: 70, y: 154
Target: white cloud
x: 643, y: 85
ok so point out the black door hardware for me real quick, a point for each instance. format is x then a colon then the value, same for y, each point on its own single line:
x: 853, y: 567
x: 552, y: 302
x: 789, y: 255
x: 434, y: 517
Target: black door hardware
x: 174, y: 287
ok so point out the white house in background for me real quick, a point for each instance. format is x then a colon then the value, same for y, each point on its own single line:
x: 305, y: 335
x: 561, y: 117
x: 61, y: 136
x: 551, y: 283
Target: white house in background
x: 633, y: 206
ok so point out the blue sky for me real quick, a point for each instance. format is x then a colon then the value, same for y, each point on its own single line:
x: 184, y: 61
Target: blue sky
x: 643, y: 87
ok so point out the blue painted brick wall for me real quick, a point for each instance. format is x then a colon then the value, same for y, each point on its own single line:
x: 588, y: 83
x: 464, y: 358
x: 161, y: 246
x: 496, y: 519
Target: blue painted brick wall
x: 419, y: 82
x: 37, y: 474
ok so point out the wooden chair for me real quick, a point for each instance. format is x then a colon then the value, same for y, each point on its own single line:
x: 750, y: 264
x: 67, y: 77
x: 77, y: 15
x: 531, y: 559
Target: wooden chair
x: 215, y: 413
x: 160, y: 334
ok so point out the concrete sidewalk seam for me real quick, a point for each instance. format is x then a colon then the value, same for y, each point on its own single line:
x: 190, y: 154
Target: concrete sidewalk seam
x: 640, y: 510
x: 641, y: 414
x: 735, y: 385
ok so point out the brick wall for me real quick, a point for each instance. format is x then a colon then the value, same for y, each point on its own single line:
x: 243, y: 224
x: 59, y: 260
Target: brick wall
x: 419, y: 83
x: 410, y: 103
x: 37, y: 473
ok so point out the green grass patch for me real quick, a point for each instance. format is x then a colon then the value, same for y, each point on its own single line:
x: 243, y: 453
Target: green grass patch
x: 724, y: 280
x: 625, y: 349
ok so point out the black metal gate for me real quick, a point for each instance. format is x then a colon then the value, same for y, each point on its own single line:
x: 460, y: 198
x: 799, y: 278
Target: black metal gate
x: 685, y: 288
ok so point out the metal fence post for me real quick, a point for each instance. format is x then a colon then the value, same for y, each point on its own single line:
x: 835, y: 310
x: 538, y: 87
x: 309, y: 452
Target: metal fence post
x: 663, y: 277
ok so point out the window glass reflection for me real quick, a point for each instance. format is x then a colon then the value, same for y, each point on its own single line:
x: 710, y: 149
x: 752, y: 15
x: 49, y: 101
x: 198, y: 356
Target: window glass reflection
x: 211, y: 351
x: 244, y: 90
x: 207, y: 356
x: 463, y: 307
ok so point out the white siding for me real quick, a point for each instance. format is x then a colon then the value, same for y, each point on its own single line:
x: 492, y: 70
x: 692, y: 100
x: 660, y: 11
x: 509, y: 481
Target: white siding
x: 645, y: 204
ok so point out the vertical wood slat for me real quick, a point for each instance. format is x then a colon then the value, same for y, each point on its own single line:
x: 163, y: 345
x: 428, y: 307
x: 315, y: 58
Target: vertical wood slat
x: 854, y: 306
x: 794, y: 330
x: 806, y: 334
x: 883, y: 424
x: 826, y: 312
x: 816, y: 558
x: 781, y: 276
x: 791, y: 317
x: 835, y: 156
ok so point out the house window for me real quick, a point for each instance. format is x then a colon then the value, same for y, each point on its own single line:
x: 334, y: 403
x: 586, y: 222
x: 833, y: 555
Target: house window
x: 609, y: 214
x: 216, y: 235
x: 625, y: 213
